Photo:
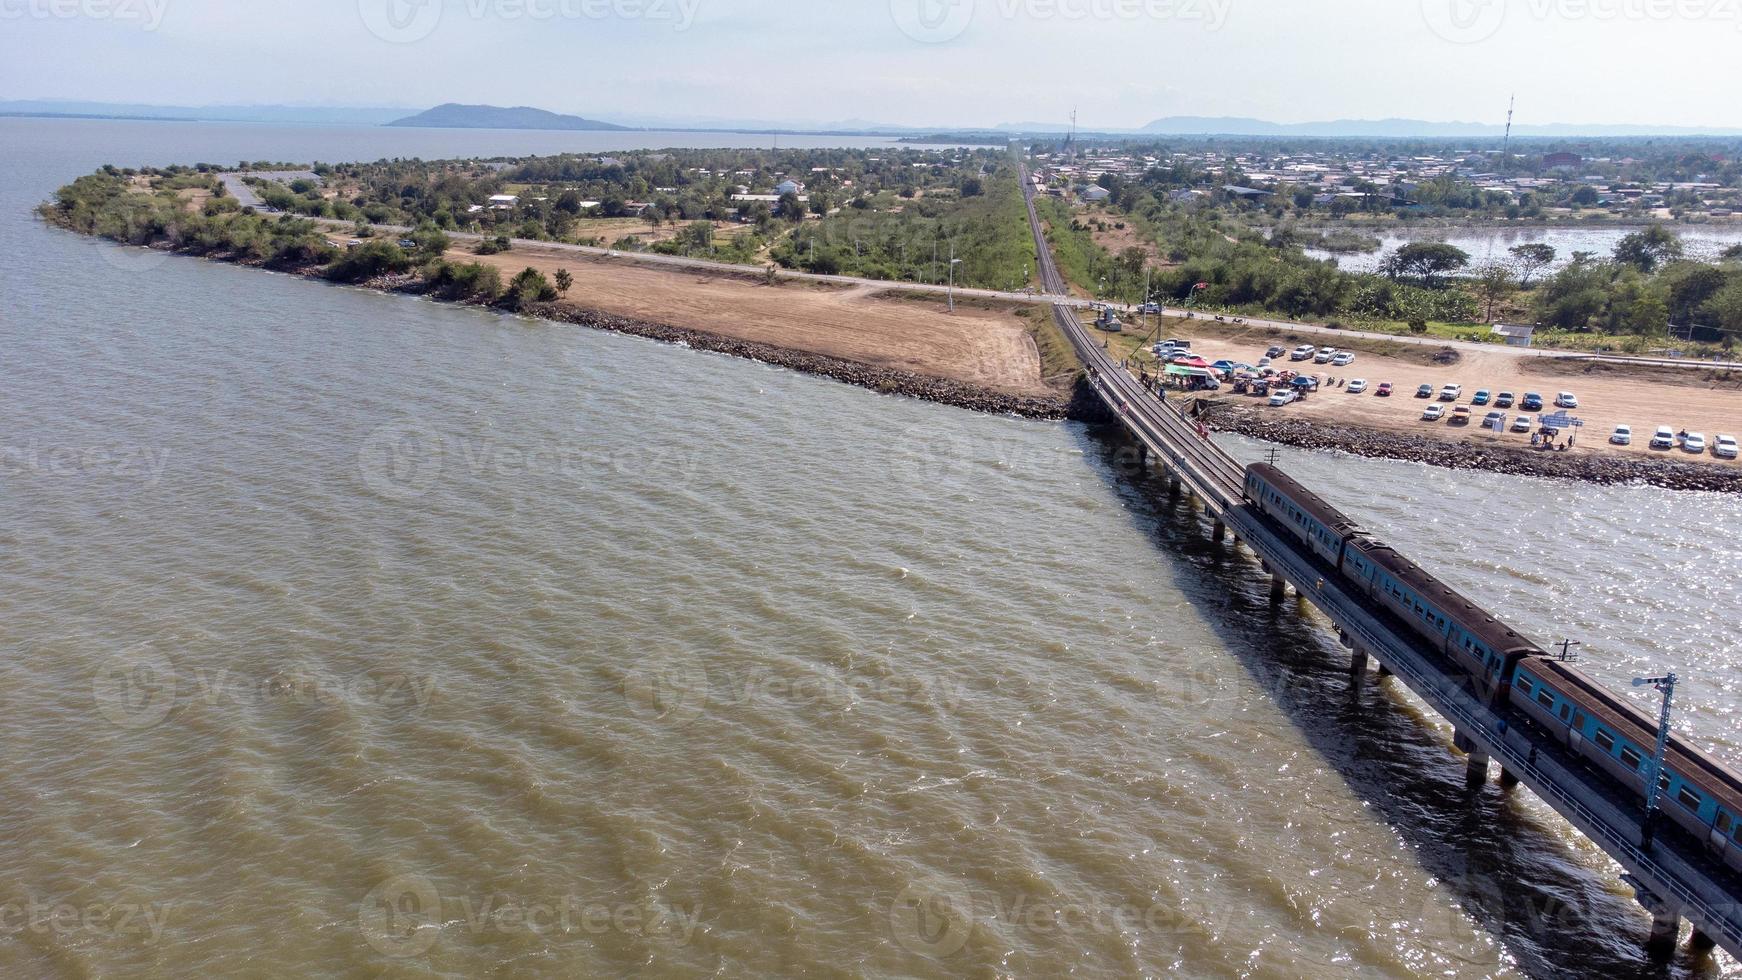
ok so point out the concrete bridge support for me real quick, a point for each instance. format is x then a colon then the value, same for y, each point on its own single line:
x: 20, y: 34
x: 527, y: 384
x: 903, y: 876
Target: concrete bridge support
x: 1508, y: 779
x: 1475, y: 763
x: 1701, y: 944
x: 1384, y: 671
x: 1358, y: 662
x: 1219, y: 531
x: 1277, y: 588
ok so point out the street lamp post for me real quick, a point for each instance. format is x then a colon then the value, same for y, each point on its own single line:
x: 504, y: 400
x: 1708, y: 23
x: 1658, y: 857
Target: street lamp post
x: 1654, y: 777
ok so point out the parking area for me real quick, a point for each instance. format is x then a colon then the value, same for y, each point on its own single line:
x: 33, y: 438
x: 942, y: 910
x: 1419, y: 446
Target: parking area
x: 1693, y: 403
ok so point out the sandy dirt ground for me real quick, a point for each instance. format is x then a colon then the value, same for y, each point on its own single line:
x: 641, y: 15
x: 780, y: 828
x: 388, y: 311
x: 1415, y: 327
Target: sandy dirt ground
x: 982, y: 347
x: 1695, y: 401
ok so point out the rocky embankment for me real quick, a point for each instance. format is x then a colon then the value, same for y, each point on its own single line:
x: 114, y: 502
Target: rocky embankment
x: 1471, y: 455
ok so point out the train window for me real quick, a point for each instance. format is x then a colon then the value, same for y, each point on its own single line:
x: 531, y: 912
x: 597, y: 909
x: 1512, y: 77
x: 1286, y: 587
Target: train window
x: 1689, y: 798
x: 1524, y: 684
x: 1604, y: 740
x: 1566, y: 711
x: 1724, y: 822
x: 1663, y: 780
x: 1630, y: 758
x: 1545, y: 698
x: 1578, y: 721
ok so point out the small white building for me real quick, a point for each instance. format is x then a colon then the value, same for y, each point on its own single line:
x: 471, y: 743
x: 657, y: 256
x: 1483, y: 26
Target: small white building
x: 789, y: 187
x: 504, y: 202
x: 1095, y: 194
x: 1515, y: 335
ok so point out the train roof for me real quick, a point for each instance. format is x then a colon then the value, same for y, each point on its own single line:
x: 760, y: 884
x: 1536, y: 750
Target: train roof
x: 1625, y: 717
x: 1310, y: 502
x: 1481, y: 623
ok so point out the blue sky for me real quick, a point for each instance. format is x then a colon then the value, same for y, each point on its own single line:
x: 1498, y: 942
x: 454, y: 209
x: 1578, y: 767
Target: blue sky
x: 918, y: 62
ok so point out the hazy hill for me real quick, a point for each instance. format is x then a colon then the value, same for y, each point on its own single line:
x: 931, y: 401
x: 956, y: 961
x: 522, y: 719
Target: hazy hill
x: 453, y: 115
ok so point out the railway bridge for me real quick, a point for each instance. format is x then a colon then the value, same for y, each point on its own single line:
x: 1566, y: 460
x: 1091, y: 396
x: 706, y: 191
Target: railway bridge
x: 1672, y: 882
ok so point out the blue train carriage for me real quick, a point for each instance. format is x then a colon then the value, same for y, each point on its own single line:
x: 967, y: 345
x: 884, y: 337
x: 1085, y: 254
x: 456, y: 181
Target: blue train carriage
x: 1485, y: 648
x: 1700, y: 794
x: 1305, y: 517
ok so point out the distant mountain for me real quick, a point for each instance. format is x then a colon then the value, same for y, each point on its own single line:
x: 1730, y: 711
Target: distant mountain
x: 1403, y: 128
x: 452, y: 115
x: 300, y: 115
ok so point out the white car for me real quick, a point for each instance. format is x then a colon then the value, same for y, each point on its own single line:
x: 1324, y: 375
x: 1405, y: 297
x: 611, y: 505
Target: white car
x: 1663, y: 438
x: 1303, y: 353
x: 1264, y: 362
x: 1694, y: 444
x: 1623, y: 435
x: 1342, y: 359
x: 1566, y: 399
x: 1282, y: 397
x: 1451, y: 393
x: 1357, y: 386
x: 1324, y: 355
x: 1724, y: 447
x: 1521, y: 424
x: 1433, y: 413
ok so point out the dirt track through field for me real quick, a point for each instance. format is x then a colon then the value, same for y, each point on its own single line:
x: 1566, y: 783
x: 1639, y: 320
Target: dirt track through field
x: 982, y: 347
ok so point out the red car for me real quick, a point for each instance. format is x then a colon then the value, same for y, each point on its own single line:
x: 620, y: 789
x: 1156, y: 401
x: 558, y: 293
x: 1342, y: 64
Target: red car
x: 1384, y: 390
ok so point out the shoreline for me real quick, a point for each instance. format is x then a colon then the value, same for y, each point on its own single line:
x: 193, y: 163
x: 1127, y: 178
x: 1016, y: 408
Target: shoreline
x: 1598, y: 468
x: 888, y: 381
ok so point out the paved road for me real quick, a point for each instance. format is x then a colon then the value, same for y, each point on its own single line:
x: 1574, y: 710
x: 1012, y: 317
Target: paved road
x: 245, y: 195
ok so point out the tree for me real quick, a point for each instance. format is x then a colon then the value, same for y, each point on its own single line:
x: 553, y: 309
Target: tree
x: 1427, y: 261
x: 1726, y: 306
x: 1646, y: 250
x: 790, y: 207
x: 1493, y: 281
x: 564, y: 282
x: 1733, y: 252
x: 1585, y: 195
x: 1531, y: 258
x: 528, y: 287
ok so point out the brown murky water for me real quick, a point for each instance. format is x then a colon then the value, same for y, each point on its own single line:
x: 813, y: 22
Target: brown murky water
x: 355, y: 635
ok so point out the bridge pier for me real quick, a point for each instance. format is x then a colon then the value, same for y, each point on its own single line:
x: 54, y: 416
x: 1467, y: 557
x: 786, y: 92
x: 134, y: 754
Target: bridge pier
x: 1508, y: 778
x: 1665, y: 926
x: 1384, y: 671
x: 1219, y: 531
x: 1358, y: 662
x: 1277, y: 588
x: 1701, y: 944
x: 1476, y: 762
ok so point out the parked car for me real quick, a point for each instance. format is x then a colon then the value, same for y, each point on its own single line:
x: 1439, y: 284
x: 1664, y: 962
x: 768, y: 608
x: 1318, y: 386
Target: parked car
x: 1282, y: 397
x: 1503, y: 400
x: 1460, y: 415
x: 1324, y: 355
x: 1521, y: 424
x: 1566, y: 399
x: 1433, y: 413
x: 1622, y: 436
x: 1424, y: 391
x: 1694, y: 443
x: 1149, y: 308
x: 1451, y: 393
x: 1181, y: 344
x: 1383, y: 391
x: 1663, y: 438
x: 1724, y: 447
x: 1357, y: 386
x: 1304, y: 352
x: 1495, y: 421
x: 1532, y: 402
x: 1481, y: 397
x: 1264, y: 362
x: 1276, y: 350
x: 1342, y: 359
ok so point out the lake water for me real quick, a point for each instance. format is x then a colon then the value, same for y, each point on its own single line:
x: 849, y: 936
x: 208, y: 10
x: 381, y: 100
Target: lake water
x: 349, y: 634
x: 1703, y: 242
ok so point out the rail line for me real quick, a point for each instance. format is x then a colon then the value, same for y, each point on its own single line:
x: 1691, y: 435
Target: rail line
x: 1672, y: 881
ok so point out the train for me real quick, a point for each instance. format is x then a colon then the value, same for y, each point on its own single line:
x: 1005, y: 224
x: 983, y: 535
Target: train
x: 1508, y: 672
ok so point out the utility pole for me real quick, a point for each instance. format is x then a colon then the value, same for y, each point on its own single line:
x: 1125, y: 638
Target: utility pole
x: 952, y: 289
x: 1567, y: 648
x: 1666, y: 684
x: 1506, y: 141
